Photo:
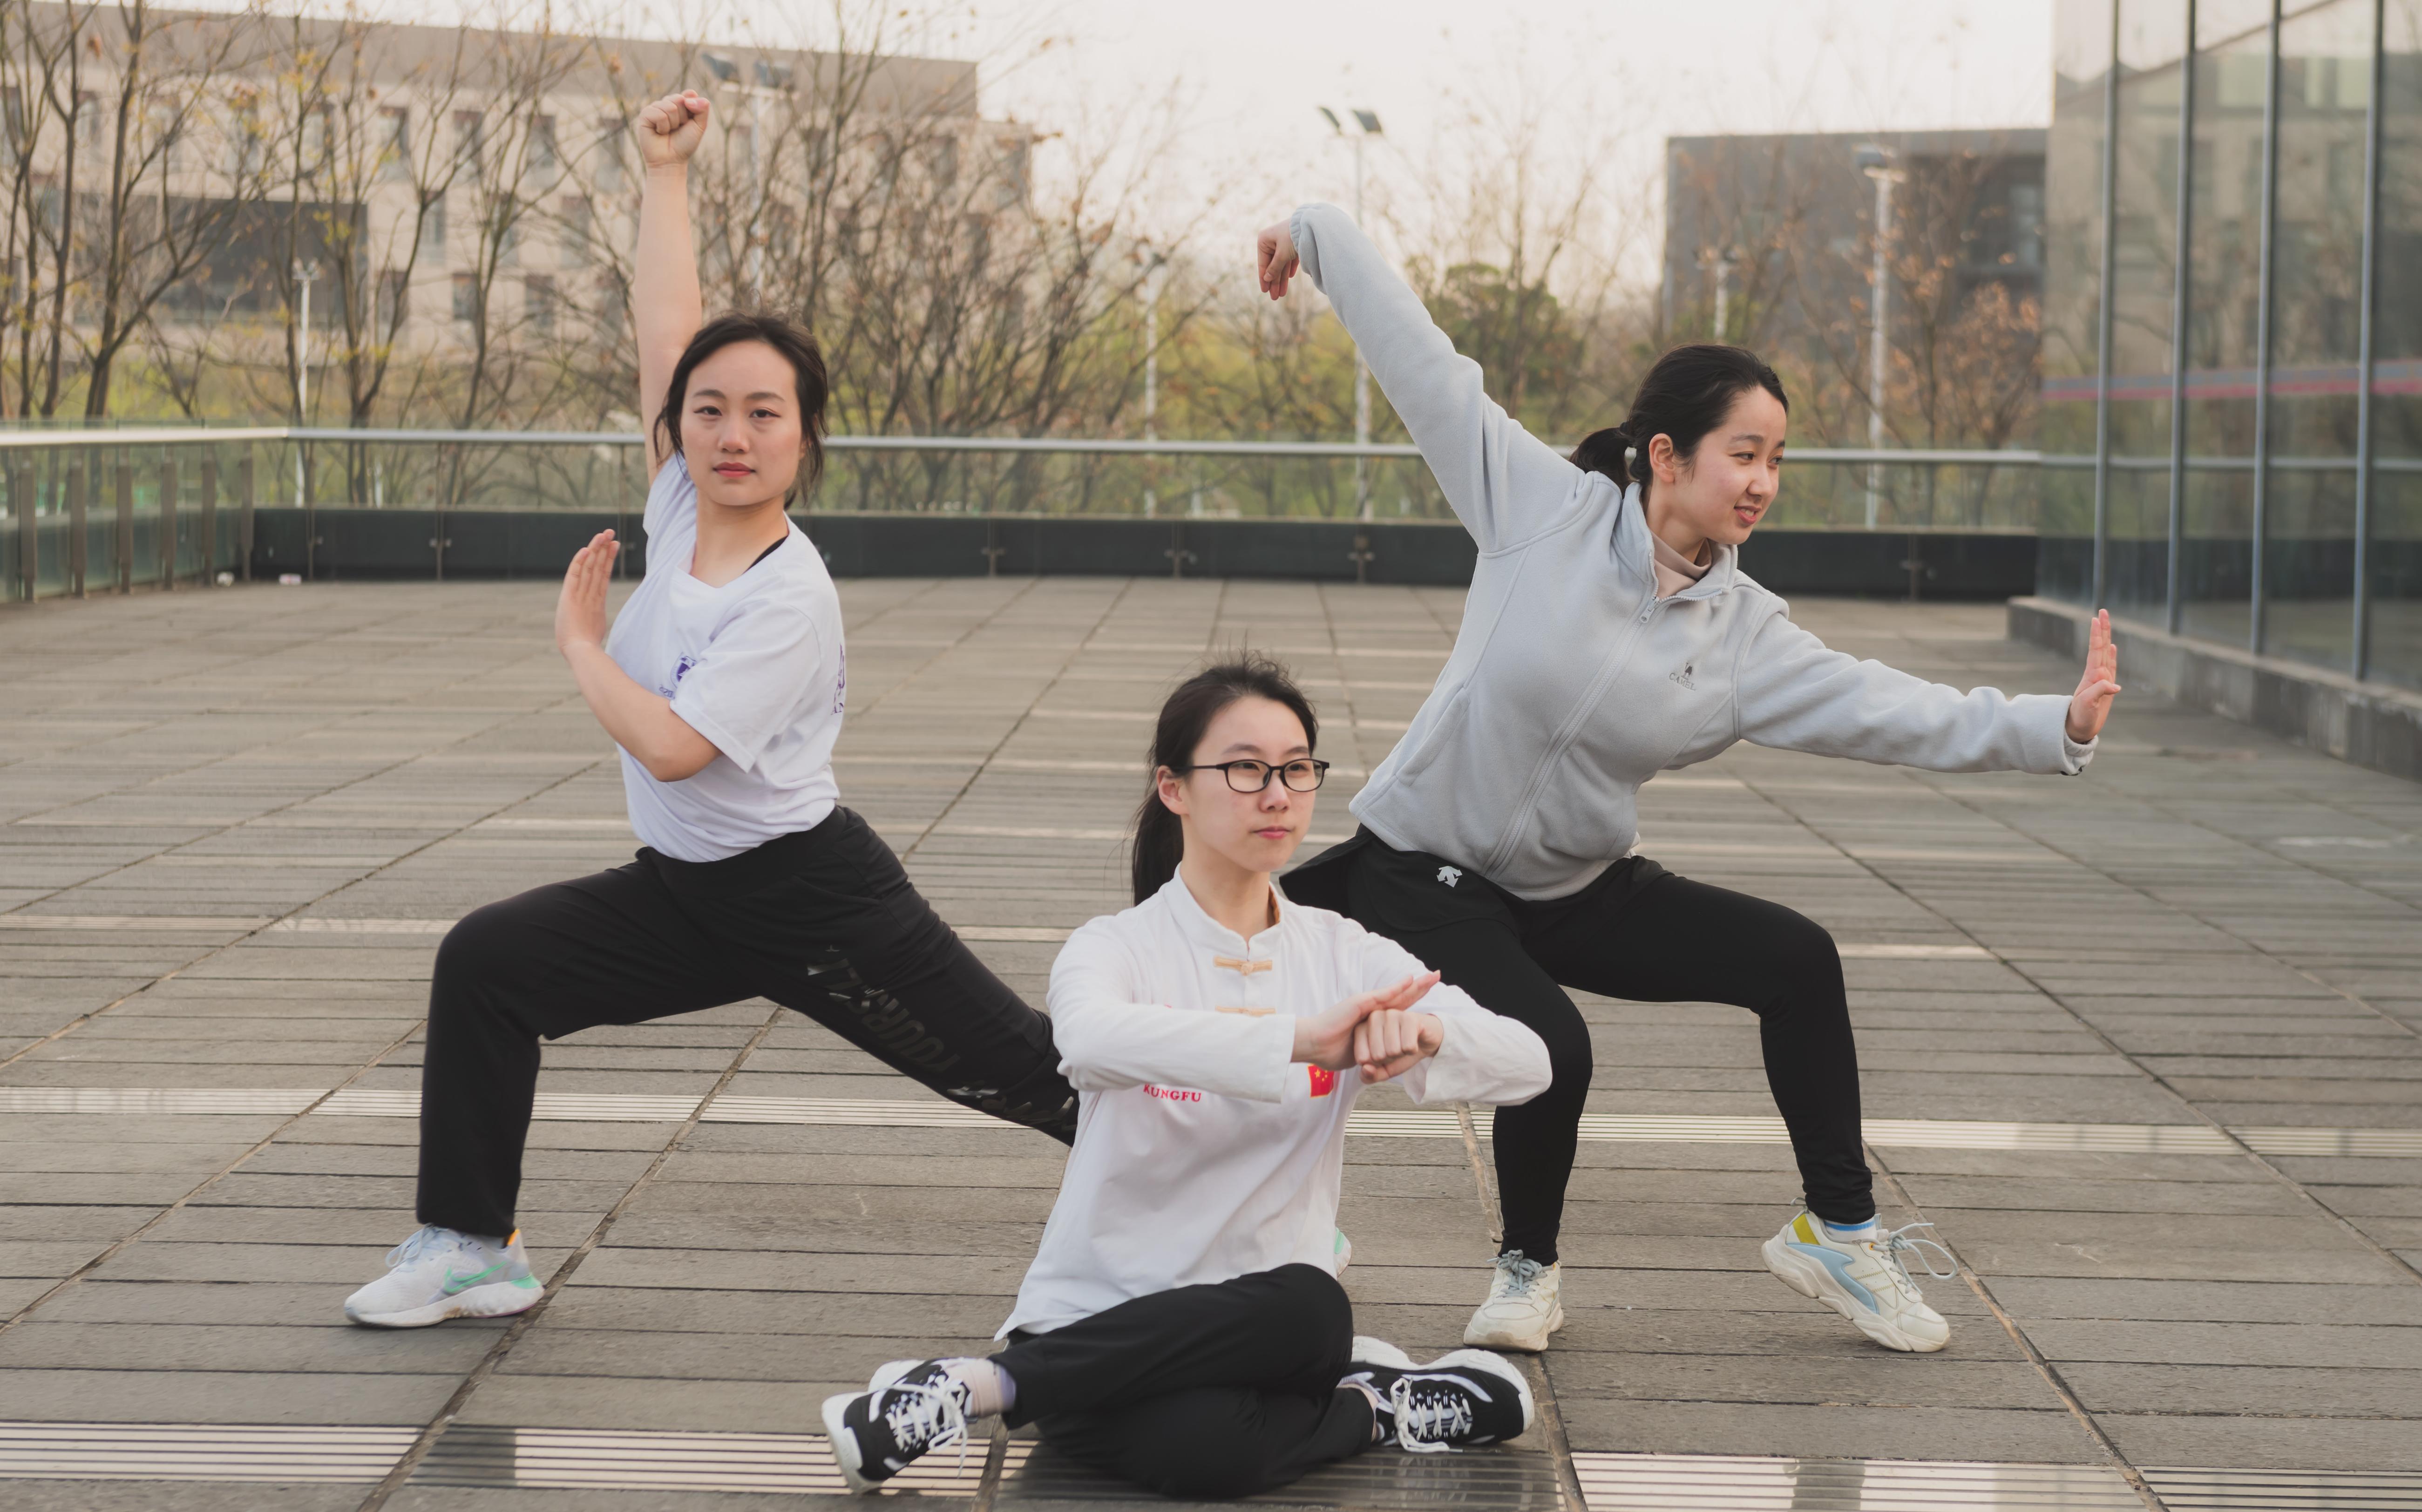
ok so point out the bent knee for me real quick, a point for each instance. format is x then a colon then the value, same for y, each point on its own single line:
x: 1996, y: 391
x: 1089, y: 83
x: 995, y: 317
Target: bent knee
x: 1316, y: 1304
x: 481, y: 943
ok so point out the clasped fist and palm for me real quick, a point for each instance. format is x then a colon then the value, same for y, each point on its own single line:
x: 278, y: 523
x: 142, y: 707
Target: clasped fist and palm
x: 1377, y: 1033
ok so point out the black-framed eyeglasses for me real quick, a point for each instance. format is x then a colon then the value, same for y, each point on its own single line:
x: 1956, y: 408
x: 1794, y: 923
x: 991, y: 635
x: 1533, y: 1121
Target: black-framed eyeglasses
x: 1303, y: 775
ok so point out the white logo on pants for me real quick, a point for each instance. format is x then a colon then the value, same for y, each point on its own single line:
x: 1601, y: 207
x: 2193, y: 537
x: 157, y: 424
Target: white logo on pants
x: 1450, y: 875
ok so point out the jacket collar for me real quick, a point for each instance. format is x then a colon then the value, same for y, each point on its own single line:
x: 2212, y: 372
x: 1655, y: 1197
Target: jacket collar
x: 1636, y: 551
x: 1207, y: 933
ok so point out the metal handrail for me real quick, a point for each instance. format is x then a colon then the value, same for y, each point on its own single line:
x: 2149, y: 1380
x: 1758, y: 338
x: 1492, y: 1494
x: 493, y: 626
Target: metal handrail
x: 208, y: 435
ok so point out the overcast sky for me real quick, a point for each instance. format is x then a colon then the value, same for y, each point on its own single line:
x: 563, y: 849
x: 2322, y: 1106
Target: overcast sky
x: 1249, y: 76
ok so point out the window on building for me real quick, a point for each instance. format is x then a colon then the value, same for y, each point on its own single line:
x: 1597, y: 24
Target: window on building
x: 539, y: 303
x: 579, y: 226
x: 613, y: 167
x: 432, y: 228
x: 470, y: 132
x: 544, y: 158
x: 395, y: 150
x: 394, y: 299
x: 466, y: 296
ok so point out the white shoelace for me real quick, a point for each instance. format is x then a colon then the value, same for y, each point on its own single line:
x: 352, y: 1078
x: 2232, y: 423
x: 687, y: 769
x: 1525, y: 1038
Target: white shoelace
x: 415, y: 1247
x: 1426, y: 1423
x: 926, y: 1414
x: 1519, y: 1272
x: 1898, y: 1242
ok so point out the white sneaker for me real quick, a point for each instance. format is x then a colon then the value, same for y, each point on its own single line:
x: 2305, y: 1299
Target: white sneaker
x: 440, y: 1273
x: 1864, y: 1280
x: 1525, y: 1305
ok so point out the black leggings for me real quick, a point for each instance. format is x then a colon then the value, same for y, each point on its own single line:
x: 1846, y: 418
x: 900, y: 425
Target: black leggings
x: 1201, y: 1392
x: 823, y: 922
x: 1638, y: 932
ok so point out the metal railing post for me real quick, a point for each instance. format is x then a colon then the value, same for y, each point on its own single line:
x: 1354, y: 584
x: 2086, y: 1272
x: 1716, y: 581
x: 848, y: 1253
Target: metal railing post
x: 2367, y: 356
x: 29, y: 539
x: 79, y: 525
x: 210, y: 517
x: 244, y: 519
x: 2106, y: 302
x: 2181, y: 315
x: 169, y: 470
x: 125, y: 553
x: 2266, y: 278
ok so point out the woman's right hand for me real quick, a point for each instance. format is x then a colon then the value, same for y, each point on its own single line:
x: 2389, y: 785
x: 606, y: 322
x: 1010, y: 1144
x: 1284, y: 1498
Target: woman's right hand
x: 1328, y: 1041
x: 670, y: 129
x: 1274, y: 257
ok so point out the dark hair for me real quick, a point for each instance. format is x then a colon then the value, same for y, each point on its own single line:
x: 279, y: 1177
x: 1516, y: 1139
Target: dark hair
x: 1684, y: 397
x: 791, y: 341
x: 1159, y: 835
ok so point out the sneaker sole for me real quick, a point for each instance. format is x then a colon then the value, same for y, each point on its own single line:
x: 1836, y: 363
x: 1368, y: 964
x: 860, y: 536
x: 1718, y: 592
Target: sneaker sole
x: 1815, y: 1281
x: 499, y: 1299
x: 1518, y: 1343
x: 1482, y: 1359
x: 844, y: 1445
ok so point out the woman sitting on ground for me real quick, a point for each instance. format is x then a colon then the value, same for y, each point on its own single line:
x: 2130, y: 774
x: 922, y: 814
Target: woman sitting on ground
x: 1182, y: 1325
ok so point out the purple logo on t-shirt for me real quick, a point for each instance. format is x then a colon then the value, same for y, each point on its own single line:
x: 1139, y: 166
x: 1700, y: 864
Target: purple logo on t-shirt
x: 681, y: 670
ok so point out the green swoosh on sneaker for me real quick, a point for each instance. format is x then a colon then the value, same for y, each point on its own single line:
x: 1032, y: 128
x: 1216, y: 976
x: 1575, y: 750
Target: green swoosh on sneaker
x: 455, y: 1283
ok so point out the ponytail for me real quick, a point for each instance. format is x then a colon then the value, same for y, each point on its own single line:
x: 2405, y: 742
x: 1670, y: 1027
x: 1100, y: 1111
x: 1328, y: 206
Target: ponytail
x: 1159, y: 834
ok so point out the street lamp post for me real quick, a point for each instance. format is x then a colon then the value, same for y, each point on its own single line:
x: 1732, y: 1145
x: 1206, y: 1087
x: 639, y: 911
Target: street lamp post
x: 305, y: 273
x: 1368, y: 124
x: 1876, y: 163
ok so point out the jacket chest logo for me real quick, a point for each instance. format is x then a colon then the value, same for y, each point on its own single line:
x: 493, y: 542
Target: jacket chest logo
x: 1229, y: 963
x: 1683, y: 675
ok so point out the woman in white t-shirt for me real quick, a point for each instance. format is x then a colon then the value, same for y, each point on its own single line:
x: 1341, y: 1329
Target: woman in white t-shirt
x: 1182, y: 1324
x: 723, y: 682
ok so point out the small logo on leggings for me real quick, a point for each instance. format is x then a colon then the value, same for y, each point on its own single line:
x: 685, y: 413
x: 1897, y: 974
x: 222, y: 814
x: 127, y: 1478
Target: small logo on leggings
x: 1450, y: 875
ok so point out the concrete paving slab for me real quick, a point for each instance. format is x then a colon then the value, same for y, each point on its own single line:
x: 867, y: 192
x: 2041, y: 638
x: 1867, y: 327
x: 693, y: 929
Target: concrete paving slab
x: 2148, y: 948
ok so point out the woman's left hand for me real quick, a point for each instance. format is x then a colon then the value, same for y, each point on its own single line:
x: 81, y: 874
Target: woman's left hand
x: 2090, y: 705
x: 1392, y: 1041
x: 580, y: 608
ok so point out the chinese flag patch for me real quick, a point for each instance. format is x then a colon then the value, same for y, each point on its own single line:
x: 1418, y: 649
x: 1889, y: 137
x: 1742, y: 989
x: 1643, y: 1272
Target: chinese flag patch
x: 1324, y: 1081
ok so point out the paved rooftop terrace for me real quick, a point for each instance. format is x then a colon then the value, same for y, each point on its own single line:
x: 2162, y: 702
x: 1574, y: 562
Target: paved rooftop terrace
x: 2143, y: 1044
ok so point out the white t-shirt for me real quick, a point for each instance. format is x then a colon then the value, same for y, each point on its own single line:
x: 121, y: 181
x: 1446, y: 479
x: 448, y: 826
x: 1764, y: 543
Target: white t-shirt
x: 1203, y: 1150
x: 755, y: 666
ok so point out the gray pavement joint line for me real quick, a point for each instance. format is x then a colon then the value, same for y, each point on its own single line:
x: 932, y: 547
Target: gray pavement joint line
x: 213, y: 1179
x: 2261, y: 1162
x: 490, y: 1362
x: 2357, y: 999
x: 2189, y: 1104
x: 939, y: 652
x: 82, y: 1019
x: 1550, y: 1418
x: 960, y: 795
x: 232, y: 662
x: 2044, y: 1367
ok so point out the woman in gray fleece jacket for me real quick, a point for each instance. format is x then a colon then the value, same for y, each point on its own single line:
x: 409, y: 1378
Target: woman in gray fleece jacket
x: 1611, y: 635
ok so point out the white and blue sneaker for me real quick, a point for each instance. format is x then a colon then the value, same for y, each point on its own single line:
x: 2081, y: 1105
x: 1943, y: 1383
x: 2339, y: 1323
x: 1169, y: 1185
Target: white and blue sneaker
x: 1860, y: 1275
x: 440, y: 1273
x: 1525, y: 1304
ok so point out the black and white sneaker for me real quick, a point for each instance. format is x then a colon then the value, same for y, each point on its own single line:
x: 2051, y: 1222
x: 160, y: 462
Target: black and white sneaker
x: 1468, y: 1397
x: 910, y: 1410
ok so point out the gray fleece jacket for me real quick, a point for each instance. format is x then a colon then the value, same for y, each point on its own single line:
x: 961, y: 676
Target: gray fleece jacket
x: 1571, y: 683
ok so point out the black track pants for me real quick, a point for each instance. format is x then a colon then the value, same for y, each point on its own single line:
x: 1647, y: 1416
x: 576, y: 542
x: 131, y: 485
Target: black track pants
x: 823, y: 922
x: 1640, y: 933
x: 1201, y: 1392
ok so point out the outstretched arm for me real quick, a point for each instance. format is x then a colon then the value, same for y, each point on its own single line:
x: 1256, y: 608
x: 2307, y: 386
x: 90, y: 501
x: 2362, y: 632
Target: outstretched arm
x: 1795, y: 692
x: 1503, y: 483
x: 665, y: 307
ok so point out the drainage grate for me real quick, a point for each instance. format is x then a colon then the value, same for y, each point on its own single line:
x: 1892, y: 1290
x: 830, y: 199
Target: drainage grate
x: 2288, y: 1491
x: 610, y: 1459
x: 197, y: 1452
x: 1716, y: 1483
